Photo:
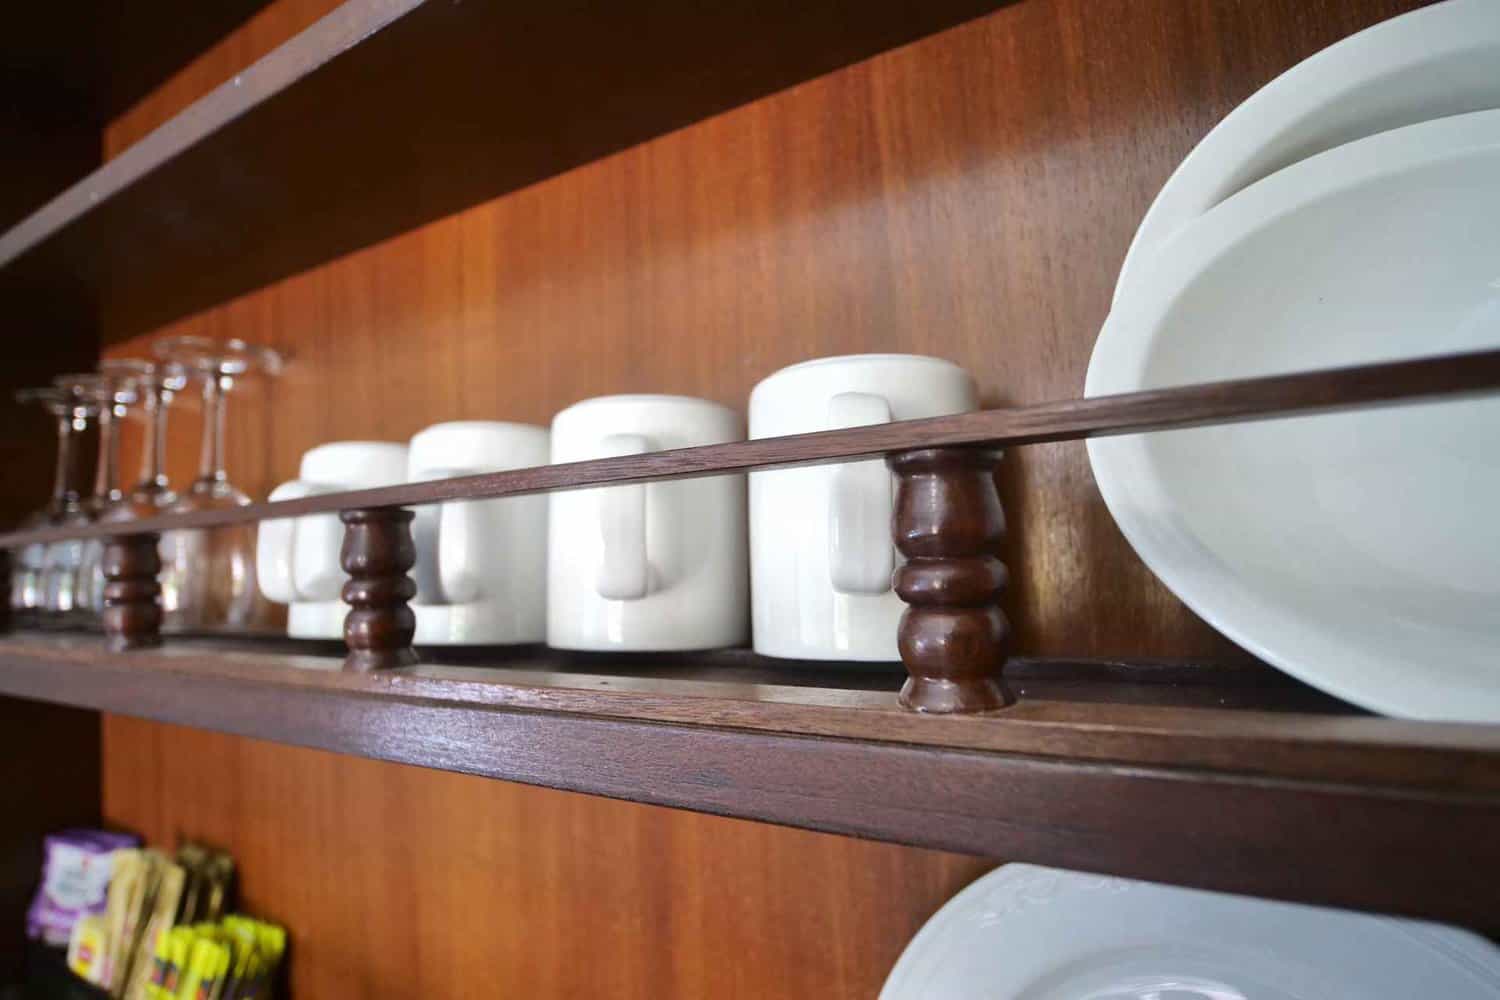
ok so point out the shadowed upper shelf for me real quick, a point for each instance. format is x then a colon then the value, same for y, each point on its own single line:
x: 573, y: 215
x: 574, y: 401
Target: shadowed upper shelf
x: 387, y: 114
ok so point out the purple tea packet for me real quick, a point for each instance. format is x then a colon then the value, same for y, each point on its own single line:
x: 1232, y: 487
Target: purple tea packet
x: 75, y: 881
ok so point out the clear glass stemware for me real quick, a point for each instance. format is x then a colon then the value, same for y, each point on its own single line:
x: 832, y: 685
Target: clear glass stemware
x: 27, y: 586
x: 61, y: 560
x: 208, y: 577
x: 114, y: 389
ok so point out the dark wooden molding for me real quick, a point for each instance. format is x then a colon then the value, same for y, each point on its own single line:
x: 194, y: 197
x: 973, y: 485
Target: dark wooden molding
x: 132, y: 592
x: 378, y: 553
x: 1128, y: 413
x: 1238, y: 801
x: 503, y: 96
x: 949, y: 526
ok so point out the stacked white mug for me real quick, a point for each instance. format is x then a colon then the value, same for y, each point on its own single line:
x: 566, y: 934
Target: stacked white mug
x: 297, y: 559
x: 822, y: 554
x: 653, y: 566
x: 479, y: 562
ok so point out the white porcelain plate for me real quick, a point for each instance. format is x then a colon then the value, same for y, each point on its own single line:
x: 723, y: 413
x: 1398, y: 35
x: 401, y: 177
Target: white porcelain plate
x: 1440, y: 60
x: 1028, y: 933
x: 1357, y: 551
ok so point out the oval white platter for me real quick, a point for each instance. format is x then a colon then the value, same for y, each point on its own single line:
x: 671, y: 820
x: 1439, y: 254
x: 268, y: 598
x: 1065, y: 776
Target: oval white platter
x: 1360, y: 551
x: 1024, y: 932
x: 1437, y: 61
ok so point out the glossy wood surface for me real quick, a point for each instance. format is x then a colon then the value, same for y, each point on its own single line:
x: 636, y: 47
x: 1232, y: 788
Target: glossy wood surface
x: 970, y: 196
x: 397, y: 881
x: 1251, y: 815
x: 1139, y: 714
x: 387, y: 114
x: 953, y: 635
x: 378, y: 554
x: 132, y: 592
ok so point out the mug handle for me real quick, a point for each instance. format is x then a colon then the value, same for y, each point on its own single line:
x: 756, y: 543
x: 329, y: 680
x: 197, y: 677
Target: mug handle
x: 624, y: 573
x: 861, y: 555
x: 462, y: 546
x: 276, y: 545
x: 317, y: 572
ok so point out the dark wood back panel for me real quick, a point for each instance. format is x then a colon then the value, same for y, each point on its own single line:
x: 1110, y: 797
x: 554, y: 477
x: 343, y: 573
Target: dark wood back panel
x: 971, y: 196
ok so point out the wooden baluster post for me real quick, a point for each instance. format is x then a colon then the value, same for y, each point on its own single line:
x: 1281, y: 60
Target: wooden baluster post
x: 132, y: 592
x: 949, y: 525
x: 378, y: 553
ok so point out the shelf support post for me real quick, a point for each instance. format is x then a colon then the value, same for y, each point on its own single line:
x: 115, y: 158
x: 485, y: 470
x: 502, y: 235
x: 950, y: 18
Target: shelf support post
x: 377, y: 554
x: 949, y: 524
x: 132, y: 592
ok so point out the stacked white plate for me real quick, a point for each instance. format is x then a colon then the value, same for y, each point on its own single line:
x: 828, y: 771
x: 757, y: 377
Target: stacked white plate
x: 1347, y: 213
x: 1029, y: 933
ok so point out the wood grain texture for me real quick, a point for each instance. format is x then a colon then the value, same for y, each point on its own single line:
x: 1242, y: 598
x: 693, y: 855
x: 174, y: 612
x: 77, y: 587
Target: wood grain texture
x: 1268, y: 397
x: 969, y: 196
x: 1068, y: 712
x: 1217, y: 829
x: 398, y: 881
x: 309, y: 153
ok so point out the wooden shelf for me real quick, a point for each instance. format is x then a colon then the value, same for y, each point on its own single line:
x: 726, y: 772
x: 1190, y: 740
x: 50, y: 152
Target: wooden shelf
x: 1236, y: 400
x: 387, y: 114
x: 1226, y: 779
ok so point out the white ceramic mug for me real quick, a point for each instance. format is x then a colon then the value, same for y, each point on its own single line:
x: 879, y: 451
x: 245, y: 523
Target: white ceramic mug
x: 297, y: 559
x: 479, y: 562
x: 655, y: 566
x: 820, y: 537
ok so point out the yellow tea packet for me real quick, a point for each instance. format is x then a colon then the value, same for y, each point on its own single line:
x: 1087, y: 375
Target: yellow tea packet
x: 86, y: 948
x: 163, y: 915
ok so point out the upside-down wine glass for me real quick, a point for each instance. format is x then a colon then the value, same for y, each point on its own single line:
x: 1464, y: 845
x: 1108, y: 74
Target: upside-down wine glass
x: 208, y: 576
x: 61, y: 560
x: 28, y: 594
x: 115, y: 388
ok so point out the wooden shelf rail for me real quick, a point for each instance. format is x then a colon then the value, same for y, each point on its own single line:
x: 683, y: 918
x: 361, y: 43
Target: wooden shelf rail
x: 1282, y: 796
x: 309, y: 153
x: 1239, y: 400
x: 954, y: 635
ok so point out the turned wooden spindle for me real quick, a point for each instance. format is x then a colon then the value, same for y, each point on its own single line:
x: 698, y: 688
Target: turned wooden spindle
x: 949, y: 525
x: 132, y: 592
x: 377, y: 554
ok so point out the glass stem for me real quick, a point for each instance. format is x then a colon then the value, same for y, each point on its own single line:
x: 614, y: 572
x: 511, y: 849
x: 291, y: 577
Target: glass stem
x: 106, y: 471
x: 211, y: 457
x: 153, y: 478
x: 64, y: 462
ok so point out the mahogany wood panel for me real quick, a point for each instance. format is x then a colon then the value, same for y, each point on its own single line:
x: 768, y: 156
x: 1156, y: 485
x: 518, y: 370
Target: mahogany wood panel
x: 399, y: 881
x: 1268, y: 397
x: 387, y: 114
x: 971, y: 196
